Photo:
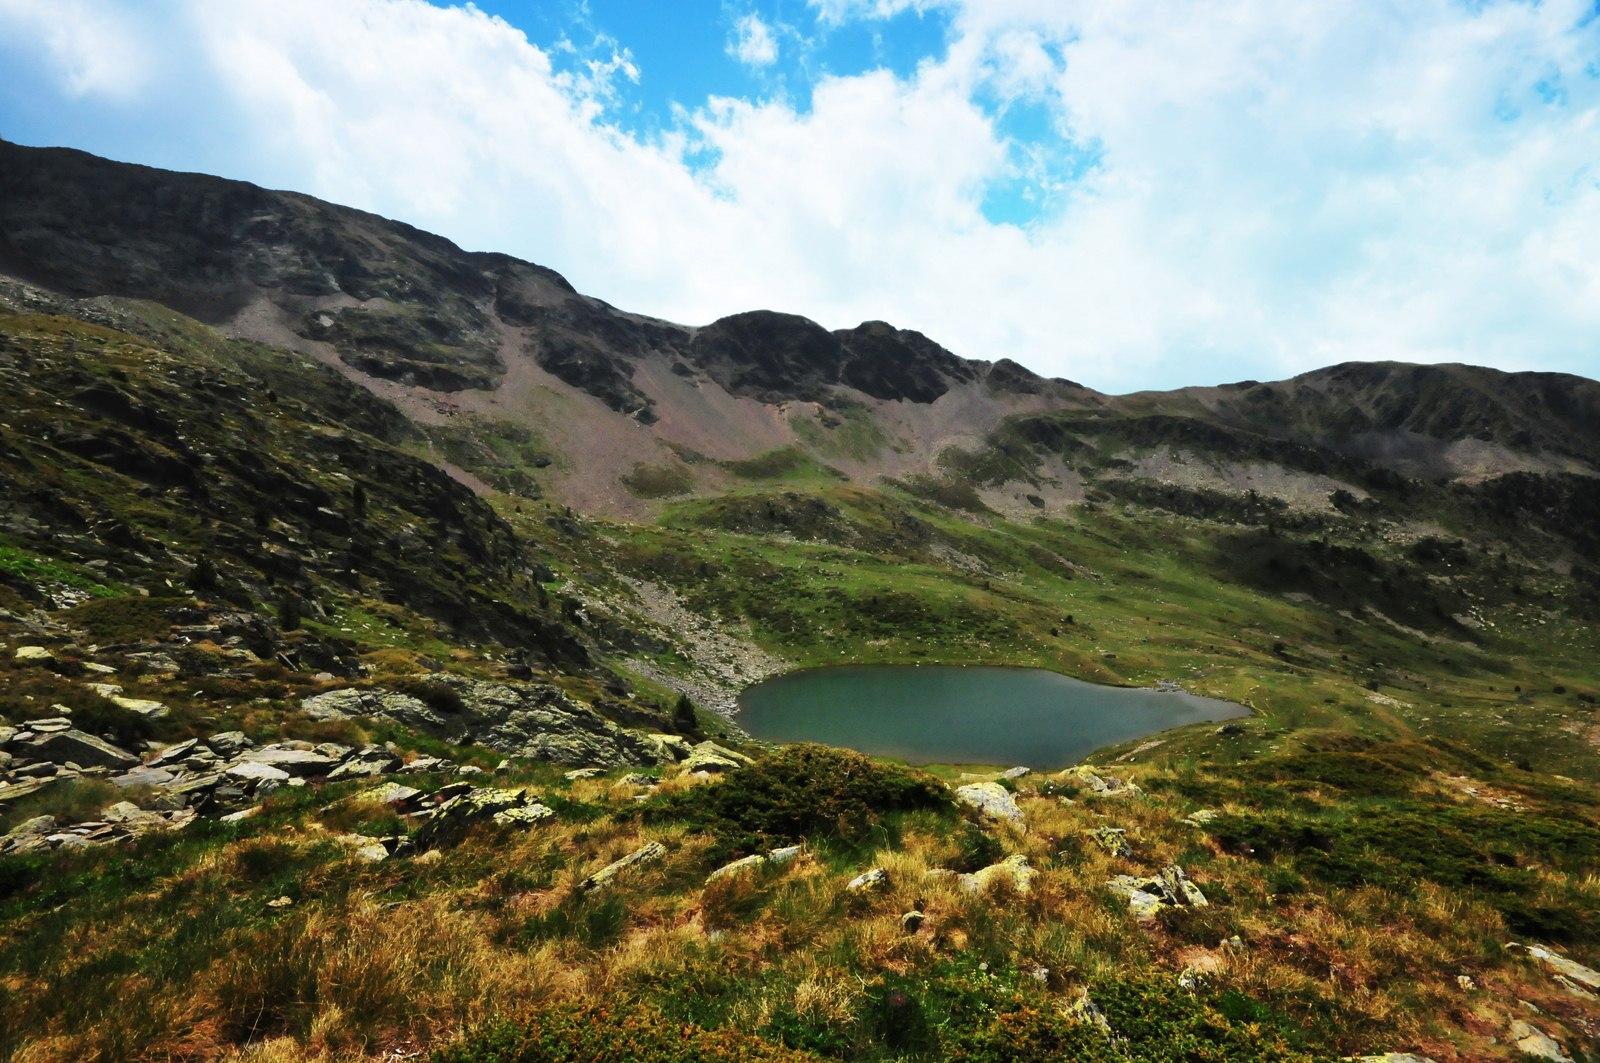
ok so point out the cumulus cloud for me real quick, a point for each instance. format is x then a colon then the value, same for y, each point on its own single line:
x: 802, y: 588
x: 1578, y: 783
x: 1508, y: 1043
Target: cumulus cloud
x: 753, y: 42
x: 1236, y: 188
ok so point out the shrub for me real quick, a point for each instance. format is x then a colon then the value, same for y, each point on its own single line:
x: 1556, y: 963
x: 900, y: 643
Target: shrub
x: 571, y: 1033
x: 130, y: 619
x: 800, y: 792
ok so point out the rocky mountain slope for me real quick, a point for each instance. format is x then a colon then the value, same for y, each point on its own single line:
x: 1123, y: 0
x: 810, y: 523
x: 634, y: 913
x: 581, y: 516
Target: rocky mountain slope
x: 614, y: 411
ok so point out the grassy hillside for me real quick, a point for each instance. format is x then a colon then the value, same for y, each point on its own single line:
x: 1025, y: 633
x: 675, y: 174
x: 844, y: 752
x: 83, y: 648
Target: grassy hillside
x: 263, y: 551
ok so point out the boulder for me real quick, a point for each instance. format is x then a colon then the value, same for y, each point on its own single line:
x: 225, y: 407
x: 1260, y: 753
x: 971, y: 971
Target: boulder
x: 712, y: 759
x: 33, y: 655
x: 228, y: 743
x: 786, y: 855
x: 579, y: 774
x: 647, y: 853
x: 351, y: 703
x: 1098, y: 784
x: 460, y: 813
x: 991, y: 800
x: 373, y: 760
x: 669, y: 747
x: 1015, y: 871
x: 392, y: 794
x: 75, y: 747
x: 150, y: 710
x: 1113, y: 840
x: 1146, y: 897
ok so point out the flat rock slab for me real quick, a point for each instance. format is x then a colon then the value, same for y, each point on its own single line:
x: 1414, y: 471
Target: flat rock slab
x: 645, y: 854
x: 302, y: 762
x: 1577, y: 972
x: 76, y: 747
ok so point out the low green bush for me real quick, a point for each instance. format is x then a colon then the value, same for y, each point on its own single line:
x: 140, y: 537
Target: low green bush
x: 800, y: 792
x: 589, y: 1034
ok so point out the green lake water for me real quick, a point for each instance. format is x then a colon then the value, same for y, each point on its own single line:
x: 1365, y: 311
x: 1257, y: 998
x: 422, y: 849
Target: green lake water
x: 932, y: 714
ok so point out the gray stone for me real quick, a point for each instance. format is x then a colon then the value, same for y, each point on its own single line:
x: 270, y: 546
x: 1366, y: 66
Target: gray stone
x: 534, y: 720
x: 875, y: 879
x: 578, y: 774
x: 1147, y: 896
x: 229, y: 743
x: 523, y: 815
x: 647, y: 853
x: 173, y: 754
x: 754, y: 862
x: 1098, y: 784
x: 62, y: 747
x: 1535, y: 1042
x: 991, y: 800
x: 300, y: 762
x: 786, y: 855
x: 391, y: 793
x: 33, y: 655
x: 145, y: 776
x: 1113, y: 840
x: 460, y: 813
x: 1571, y: 969
x: 1015, y: 871
x: 150, y: 710
x: 709, y: 761
x: 255, y: 773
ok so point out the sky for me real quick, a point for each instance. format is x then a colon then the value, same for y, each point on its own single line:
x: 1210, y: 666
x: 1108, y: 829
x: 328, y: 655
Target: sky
x: 1128, y: 193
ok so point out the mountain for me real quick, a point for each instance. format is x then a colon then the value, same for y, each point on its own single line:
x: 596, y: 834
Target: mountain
x: 374, y: 616
x: 460, y: 340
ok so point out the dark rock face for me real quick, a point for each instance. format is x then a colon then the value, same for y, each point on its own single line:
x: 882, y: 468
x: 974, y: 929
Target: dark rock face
x: 401, y: 304
x: 769, y: 356
x: 773, y: 357
x: 208, y: 247
x: 890, y: 363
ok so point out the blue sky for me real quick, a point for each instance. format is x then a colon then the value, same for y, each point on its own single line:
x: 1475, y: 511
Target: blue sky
x: 1130, y: 193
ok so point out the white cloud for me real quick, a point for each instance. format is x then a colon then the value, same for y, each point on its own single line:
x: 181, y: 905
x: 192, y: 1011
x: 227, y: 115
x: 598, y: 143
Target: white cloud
x: 753, y: 42
x: 1279, y: 183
